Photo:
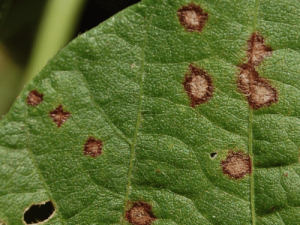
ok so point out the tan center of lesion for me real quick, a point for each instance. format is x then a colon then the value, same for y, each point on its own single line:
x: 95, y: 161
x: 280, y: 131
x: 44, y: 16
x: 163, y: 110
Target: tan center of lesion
x: 199, y: 86
x: 237, y: 166
x: 139, y: 214
x: 192, y: 18
x: 262, y: 94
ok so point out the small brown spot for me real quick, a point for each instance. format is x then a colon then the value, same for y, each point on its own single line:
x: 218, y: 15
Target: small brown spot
x: 34, y: 98
x: 236, y: 165
x: 286, y: 174
x: 198, y: 86
x: 192, y: 17
x: 59, y: 116
x: 257, y: 90
x: 93, y: 147
x: 158, y: 171
x: 140, y: 213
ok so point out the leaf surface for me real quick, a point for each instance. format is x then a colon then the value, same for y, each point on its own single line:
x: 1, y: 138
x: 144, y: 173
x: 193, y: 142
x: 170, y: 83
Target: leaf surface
x: 113, y: 125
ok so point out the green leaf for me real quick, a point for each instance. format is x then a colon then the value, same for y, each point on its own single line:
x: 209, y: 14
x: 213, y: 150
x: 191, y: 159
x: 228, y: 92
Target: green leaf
x: 112, y: 127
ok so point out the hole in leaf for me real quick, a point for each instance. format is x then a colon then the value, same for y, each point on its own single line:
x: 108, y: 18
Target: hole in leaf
x: 93, y: 147
x: 213, y: 155
x: 34, y: 98
x: 258, y: 90
x: 140, y: 213
x: 236, y: 165
x: 192, y: 17
x: 59, y: 116
x: 39, y: 212
x: 198, y: 85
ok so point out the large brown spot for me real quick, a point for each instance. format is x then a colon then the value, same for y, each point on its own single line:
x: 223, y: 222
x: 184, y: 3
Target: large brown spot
x: 34, y: 98
x: 59, y: 116
x: 198, y: 85
x: 93, y: 147
x: 192, y: 17
x: 258, y: 90
x: 236, y: 165
x: 140, y: 213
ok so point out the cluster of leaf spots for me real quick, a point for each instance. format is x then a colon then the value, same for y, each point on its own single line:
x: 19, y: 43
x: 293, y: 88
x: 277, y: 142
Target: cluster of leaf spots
x: 59, y: 116
x: 140, y: 213
x: 93, y: 147
x: 38, y: 213
x: 198, y: 85
x: 192, y: 17
x: 34, y: 98
x: 237, y: 164
x: 258, y: 90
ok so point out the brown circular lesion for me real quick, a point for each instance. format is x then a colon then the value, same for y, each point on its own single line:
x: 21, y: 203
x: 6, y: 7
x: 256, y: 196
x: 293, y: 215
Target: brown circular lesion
x: 192, y: 17
x: 198, y: 85
x: 140, y: 213
x: 93, y: 147
x: 34, y: 98
x: 237, y: 164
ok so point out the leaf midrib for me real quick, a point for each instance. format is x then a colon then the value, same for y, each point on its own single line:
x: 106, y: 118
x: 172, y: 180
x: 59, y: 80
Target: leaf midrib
x: 250, y: 132
x: 138, y: 121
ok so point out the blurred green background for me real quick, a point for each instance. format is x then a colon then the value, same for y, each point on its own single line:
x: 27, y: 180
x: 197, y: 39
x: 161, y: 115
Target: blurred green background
x: 33, y: 31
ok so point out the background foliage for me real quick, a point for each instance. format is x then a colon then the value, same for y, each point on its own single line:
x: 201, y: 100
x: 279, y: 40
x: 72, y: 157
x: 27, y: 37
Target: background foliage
x: 27, y: 42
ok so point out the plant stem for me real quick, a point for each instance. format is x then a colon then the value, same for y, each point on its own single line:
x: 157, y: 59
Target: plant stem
x: 55, y: 30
